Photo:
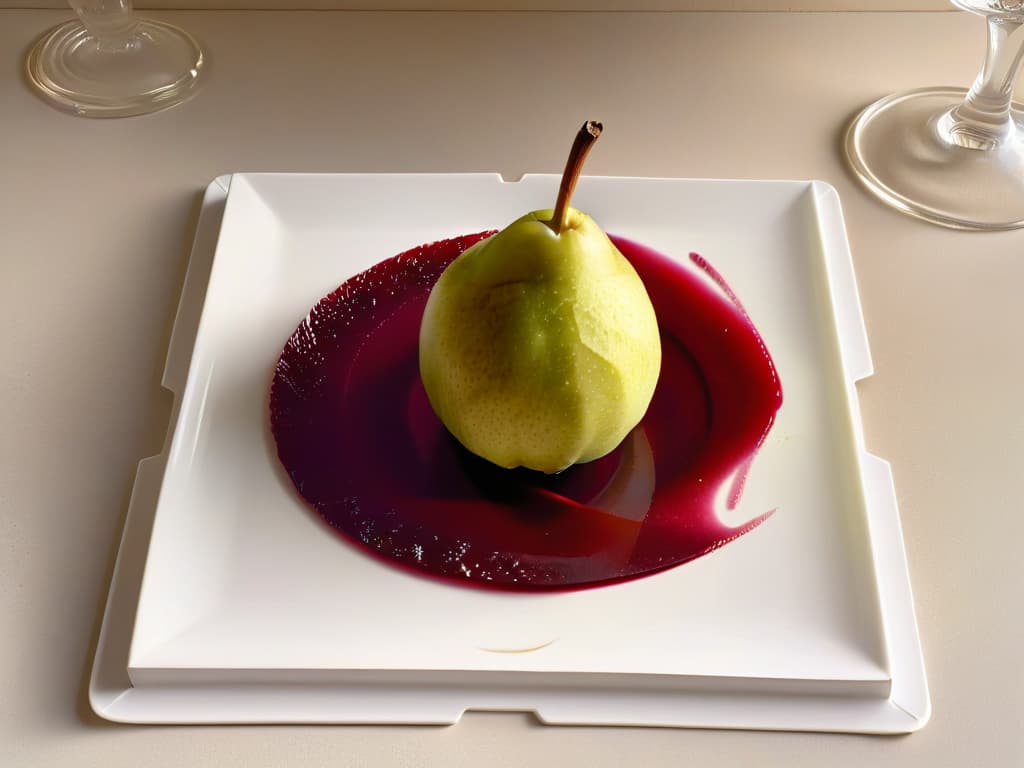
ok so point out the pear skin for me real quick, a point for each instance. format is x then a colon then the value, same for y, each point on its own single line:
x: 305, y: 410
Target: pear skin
x: 540, y: 350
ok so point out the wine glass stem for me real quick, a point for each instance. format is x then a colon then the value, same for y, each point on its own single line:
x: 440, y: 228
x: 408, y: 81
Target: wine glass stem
x: 106, y: 20
x: 983, y: 121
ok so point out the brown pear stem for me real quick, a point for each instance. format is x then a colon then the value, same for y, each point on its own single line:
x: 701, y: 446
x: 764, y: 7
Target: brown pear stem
x: 580, y: 148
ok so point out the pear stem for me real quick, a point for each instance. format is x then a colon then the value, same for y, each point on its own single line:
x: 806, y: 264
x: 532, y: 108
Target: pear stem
x: 580, y: 148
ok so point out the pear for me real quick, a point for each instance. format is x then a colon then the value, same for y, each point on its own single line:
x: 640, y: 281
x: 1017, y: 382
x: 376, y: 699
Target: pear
x: 539, y: 346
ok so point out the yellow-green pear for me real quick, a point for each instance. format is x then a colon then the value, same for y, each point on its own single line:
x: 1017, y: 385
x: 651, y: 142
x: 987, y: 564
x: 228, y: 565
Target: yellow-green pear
x: 539, y: 346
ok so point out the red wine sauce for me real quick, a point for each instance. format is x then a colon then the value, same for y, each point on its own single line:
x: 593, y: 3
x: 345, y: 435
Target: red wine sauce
x: 356, y: 433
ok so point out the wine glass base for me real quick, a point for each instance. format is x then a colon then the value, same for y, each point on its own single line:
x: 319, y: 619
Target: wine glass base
x: 896, y: 148
x: 153, y: 67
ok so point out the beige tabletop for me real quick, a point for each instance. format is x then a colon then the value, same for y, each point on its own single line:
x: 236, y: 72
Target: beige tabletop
x: 96, y: 219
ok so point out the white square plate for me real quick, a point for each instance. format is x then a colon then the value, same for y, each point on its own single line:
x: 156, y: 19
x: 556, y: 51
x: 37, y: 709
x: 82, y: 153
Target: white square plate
x: 245, y: 608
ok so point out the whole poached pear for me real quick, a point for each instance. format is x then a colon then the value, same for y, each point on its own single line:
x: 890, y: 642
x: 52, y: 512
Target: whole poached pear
x: 539, y: 346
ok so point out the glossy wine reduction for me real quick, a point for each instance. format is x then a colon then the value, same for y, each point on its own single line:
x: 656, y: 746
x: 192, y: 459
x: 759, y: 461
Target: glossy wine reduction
x: 355, y: 431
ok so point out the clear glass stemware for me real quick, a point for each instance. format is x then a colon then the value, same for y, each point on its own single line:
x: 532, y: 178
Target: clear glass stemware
x: 948, y: 155
x: 110, y: 63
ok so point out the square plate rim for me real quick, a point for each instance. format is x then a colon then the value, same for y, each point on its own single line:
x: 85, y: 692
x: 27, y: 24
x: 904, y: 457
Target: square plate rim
x: 908, y: 681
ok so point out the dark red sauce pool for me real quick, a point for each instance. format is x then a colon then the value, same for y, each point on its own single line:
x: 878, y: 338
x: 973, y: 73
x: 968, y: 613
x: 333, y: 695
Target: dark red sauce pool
x: 357, y: 435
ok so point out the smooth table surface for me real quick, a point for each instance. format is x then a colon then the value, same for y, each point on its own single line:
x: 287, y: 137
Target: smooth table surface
x: 96, y: 220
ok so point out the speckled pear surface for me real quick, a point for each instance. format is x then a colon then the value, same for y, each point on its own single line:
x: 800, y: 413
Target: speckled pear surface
x: 540, y: 349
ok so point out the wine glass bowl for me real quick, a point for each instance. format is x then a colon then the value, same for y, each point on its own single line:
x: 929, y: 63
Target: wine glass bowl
x: 953, y: 156
x: 110, y: 63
